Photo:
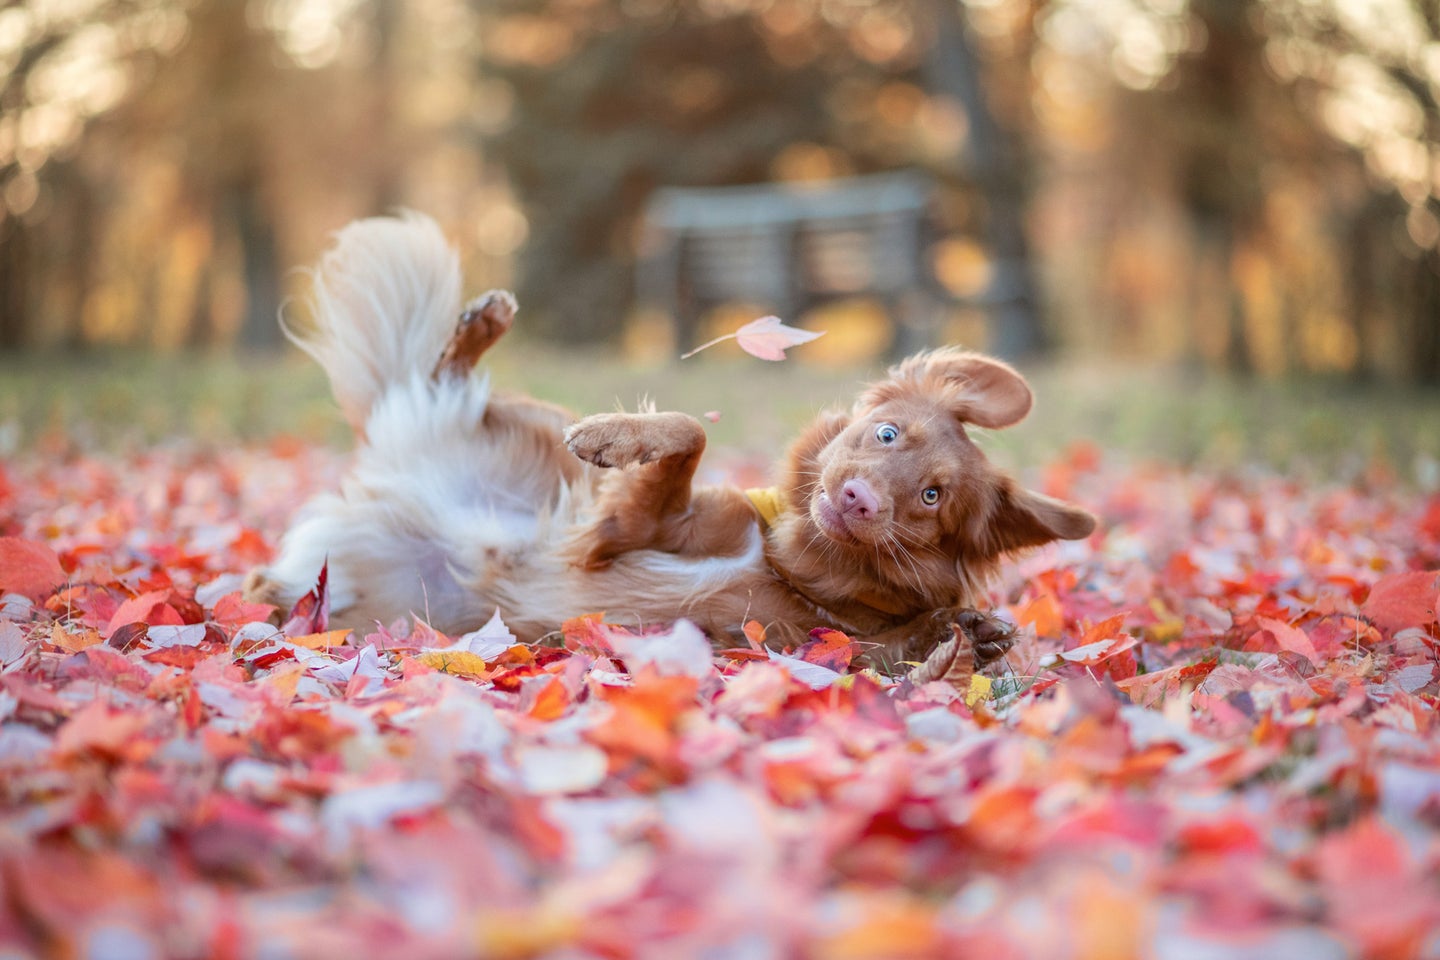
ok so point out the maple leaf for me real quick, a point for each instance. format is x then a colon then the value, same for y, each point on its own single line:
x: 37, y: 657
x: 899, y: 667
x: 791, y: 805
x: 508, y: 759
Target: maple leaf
x: 828, y: 648
x: 311, y: 613
x: 766, y: 338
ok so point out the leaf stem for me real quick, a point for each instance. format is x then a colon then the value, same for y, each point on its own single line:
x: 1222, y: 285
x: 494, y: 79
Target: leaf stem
x: 704, y: 346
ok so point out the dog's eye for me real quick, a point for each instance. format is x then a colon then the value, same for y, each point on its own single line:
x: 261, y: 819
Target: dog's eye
x: 930, y: 495
x: 887, y: 433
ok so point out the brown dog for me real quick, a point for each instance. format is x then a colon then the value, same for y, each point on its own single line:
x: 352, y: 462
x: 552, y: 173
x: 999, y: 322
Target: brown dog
x: 886, y: 523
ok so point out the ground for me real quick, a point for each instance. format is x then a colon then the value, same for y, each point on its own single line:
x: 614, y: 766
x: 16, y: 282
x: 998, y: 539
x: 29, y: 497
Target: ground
x: 1216, y: 737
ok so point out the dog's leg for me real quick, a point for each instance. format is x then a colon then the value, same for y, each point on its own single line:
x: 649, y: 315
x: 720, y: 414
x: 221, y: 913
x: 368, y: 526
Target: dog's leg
x: 483, y: 321
x: 650, y: 504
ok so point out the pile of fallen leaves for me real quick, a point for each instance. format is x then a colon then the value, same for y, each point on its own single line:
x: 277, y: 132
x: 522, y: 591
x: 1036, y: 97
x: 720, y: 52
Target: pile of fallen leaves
x: 1215, y: 738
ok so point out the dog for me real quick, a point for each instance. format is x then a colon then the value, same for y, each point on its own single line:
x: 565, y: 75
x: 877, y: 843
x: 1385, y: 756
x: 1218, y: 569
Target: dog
x: 886, y: 523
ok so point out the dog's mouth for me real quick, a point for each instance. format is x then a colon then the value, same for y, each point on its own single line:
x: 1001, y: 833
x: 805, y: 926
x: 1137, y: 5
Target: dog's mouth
x: 831, y: 521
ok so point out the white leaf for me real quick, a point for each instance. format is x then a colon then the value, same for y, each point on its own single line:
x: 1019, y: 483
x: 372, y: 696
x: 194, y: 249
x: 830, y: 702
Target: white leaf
x: 767, y: 338
x: 811, y: 674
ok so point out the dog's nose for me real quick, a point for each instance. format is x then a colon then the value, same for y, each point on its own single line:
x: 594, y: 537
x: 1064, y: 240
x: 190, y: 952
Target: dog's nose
x: 858, y: 500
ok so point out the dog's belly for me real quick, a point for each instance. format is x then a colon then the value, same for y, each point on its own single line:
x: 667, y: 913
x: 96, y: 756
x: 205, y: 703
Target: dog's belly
x: 538, y: 588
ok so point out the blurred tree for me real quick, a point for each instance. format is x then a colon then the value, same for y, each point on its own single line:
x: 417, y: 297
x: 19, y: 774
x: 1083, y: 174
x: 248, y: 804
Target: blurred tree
x: 60, y: 65
x: 1293, y: 140
x: 1371, y: 71
x: 161, y: 159
x: 612, y: 100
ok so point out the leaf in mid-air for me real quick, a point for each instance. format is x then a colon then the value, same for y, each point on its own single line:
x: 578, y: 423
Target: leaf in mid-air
x: 766, y: 338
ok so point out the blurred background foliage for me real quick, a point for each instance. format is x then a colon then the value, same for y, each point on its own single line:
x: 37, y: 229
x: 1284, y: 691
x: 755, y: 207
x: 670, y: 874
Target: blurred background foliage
x: 1248, y: 186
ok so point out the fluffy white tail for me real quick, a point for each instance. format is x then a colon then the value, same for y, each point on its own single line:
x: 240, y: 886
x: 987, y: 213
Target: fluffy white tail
x: 385, y: 301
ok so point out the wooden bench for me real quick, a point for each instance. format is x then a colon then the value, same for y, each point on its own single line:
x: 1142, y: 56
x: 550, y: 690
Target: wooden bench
x: 793, y: 247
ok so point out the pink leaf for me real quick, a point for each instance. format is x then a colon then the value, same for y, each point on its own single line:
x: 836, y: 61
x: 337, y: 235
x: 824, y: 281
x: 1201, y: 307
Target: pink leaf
x: 767, y: 338
x: 1290, y: 638
x: 148, y: 608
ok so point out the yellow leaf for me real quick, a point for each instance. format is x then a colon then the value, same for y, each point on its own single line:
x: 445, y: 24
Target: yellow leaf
x: 979, y: 689
x: 461, y: 663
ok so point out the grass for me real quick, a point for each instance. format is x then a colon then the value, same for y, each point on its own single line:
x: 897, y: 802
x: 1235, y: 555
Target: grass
x: 121, y: 401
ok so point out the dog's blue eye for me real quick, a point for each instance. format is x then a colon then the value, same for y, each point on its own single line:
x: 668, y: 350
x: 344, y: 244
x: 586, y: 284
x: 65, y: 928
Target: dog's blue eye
x: 886, y: 433
x: 930, y: 495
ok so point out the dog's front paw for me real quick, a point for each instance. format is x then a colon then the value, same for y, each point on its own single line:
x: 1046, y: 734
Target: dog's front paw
x: 625, y: 439
x: 990, y: 637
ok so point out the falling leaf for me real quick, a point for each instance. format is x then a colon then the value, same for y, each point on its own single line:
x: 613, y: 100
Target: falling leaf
x: 766, y: 338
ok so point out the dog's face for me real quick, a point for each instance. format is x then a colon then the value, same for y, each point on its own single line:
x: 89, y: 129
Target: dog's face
x: 905, y: 475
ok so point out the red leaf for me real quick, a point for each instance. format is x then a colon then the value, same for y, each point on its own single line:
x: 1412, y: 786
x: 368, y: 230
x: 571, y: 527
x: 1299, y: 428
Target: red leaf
x: 311, y: 612
x: 148, y: 608
x: 1403, y: 600
x: 1289, y: 638
x: 28, y: 568
x: 828, y: 648
x: 767, y: 338
x: 232, y: 611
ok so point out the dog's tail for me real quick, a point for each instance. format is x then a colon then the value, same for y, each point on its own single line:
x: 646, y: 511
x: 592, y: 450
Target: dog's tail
x: 384, y: 304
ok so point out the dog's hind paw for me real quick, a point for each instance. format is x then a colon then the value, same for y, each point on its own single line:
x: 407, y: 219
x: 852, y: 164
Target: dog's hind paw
x: 626, y: 439
x: 483, y: 321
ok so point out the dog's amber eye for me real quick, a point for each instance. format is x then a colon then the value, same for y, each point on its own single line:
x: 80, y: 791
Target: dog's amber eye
x: 931, y: 496
x: 887, y: 433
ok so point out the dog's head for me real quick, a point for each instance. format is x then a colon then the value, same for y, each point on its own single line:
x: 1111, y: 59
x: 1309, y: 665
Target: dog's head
x: 904, y: 473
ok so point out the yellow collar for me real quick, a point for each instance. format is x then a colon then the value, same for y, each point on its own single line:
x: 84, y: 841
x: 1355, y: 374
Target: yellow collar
x: 767, y: 503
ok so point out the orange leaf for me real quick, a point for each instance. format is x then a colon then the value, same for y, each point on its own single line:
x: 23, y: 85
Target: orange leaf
x: 587, y: 630
x: 323, y: 641
x: 828, y: 648
x: 1045, y: 613
x: 74, y: 638
x: 549, y: 702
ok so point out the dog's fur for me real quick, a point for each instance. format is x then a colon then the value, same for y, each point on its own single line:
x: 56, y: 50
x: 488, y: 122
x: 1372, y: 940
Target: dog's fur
x: 462, y: 500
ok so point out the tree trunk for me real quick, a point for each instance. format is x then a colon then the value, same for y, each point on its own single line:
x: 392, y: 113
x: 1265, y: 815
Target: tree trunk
x: 14, y: 285
x: 1425, y: 321
x: 998, y: 169
x: 258, y: 251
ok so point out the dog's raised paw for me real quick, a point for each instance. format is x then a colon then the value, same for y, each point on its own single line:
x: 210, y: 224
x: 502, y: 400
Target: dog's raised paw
x: 483, y: 321
x: 627, y: 439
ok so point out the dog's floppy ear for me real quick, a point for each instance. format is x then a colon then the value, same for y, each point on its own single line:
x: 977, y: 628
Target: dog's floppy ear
x: 987, y: 392
x: 1021, y: 518
x: 981, y: 390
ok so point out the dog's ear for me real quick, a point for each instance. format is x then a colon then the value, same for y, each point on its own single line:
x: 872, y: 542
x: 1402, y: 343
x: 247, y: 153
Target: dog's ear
x: 986, y: 392
x: 980, y: 389
x: 1021, y: 518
